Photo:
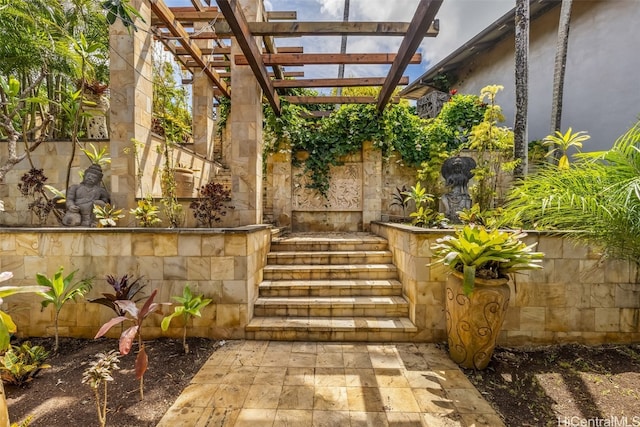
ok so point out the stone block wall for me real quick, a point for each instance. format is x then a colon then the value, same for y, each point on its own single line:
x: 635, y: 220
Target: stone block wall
x: 223, y: 264
x: 576, y: 297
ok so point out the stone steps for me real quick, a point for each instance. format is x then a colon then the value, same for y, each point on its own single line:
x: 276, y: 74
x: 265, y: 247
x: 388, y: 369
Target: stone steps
x: 336, y: 286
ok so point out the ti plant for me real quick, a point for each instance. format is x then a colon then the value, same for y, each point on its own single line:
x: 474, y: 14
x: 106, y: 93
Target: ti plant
x: 99, y: 373
x: 21, y: 363
x: 60, y: 290
x: 399, y: 199
x: 189, y: 307
x: 136, y: 316
x: 124, y: 291
x: 107, y: 215
x: 488, y: 254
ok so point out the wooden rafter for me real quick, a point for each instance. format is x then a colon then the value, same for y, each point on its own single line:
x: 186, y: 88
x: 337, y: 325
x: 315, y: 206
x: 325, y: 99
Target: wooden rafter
x: 235, y: 18
x: 345, y: 82
x: 322, y: 28
x: 422, y: 19
x: 226, y: 50
x: 295, y: 59
x: 176, y: 29
x: 330, y: 99
x: 207, y: 14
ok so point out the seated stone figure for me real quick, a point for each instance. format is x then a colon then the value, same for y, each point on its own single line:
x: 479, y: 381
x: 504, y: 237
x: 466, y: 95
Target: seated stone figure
x: 456, y: 172
x: 81, y: 198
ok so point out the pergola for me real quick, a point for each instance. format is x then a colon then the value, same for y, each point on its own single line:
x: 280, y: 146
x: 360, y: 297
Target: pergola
x: 176, y: 27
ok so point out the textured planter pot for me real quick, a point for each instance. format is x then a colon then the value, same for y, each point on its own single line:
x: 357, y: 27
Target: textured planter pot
x: 184, y: 182
x: 474, y: 321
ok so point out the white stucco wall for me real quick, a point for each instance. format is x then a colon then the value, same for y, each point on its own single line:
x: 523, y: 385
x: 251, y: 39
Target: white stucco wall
x: 602, y: 90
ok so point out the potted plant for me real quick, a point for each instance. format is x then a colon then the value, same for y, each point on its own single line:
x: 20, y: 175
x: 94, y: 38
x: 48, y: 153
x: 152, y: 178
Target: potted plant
x: 477, y: 294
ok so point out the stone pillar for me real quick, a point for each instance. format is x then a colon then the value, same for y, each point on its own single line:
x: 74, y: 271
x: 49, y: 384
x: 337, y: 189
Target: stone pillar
x: 371, y: 185
x: 202, y: 106
x: 131, y: 101
x: 279, y: 170
x: 245, y: 134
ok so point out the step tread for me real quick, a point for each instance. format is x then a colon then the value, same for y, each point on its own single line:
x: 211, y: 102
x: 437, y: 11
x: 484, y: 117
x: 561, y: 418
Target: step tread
x: 356, y: 283
x: 332, y: 301
x: 336, y: 267
x: 332, y: 323
x: 275, y: 254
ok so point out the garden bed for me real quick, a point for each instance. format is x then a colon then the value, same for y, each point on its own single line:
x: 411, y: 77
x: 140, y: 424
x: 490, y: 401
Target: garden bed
x: 563, y: 385
x: 57, y: 397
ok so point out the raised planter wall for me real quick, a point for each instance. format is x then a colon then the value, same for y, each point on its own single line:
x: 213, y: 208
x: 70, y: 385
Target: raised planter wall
x: 577, y: 297
x: 223, y: 264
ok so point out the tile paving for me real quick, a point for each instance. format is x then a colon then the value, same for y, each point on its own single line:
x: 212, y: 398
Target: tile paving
x: 300, y: 384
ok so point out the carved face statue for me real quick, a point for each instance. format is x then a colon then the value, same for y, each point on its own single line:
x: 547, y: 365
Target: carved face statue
x: 91, y: 178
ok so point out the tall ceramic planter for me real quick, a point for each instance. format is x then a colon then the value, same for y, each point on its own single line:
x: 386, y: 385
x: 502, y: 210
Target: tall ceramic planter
x: 474, y: 321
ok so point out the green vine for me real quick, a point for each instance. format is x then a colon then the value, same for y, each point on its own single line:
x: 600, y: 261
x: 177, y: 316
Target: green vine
x: 342, y: 133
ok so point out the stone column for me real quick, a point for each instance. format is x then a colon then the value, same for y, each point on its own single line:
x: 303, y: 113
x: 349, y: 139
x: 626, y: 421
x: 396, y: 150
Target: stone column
x: 279, y: 170
x: 245, y: 134
x: 202, y: 106
x: 131, y: 101
x: 371, y: 185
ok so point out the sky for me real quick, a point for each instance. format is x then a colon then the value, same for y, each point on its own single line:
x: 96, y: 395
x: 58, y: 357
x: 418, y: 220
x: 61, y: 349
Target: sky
x: 460, y: 20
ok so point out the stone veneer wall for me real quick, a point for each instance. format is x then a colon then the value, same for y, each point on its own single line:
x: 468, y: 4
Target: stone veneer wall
x: 361, y: 191
x: 577, y: 297
x: 53, y: 157
x: 223, y: 264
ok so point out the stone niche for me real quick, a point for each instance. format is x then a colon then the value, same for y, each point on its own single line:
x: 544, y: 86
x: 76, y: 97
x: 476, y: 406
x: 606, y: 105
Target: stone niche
x: 341, y: 210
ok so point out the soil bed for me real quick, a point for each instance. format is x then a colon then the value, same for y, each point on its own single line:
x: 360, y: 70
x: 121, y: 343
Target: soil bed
x: 563, y: 385
x: 57, y: 397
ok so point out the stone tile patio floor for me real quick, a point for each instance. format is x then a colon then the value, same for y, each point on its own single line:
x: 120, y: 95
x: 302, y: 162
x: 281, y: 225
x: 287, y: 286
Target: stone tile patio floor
x: 274, y: 383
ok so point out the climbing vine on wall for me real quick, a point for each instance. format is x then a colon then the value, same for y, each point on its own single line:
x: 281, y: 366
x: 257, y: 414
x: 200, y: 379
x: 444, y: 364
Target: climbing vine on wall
x: 396, y: 130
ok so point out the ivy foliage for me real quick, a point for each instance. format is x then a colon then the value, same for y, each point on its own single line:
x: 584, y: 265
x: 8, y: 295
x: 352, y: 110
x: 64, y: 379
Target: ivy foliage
x: 396, y: 130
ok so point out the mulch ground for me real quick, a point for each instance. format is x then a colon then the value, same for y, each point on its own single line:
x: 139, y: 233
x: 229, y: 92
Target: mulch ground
x: 568, y: 385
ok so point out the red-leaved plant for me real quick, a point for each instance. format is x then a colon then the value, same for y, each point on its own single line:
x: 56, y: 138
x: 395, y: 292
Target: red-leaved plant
x: 136, y: 315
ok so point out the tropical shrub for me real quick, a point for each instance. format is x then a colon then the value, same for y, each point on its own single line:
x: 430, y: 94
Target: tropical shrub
x: 212, y: 204
x: 99, y: 373
x: 598, y: 196
x: 190, y: 306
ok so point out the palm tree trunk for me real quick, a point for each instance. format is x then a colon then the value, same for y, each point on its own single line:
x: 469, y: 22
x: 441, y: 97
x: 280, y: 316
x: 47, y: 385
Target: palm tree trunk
x: 520, y: 143
x: 560, y: 64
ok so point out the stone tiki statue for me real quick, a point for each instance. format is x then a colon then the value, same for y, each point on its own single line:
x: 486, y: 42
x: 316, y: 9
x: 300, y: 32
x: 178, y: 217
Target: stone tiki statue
x: 81, y: 198
x: 456, y: 172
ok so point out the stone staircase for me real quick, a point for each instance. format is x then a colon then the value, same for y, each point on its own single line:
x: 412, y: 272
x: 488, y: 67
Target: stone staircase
x: 330, y: 287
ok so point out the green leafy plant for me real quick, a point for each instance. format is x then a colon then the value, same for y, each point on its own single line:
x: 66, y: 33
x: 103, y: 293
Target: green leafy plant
x: 97, y: 157
x: 146, y: 214
x: 21, y: 363
x: 60, y: 290
x: 424, y: 215
x: 136, y: 316
x: 107, y: 215
x: 561, y: 143
x: 211, y: 204
x: 399, y: 199
x: 98, y: 374
x: 190, y: 306
x: 125, y: 289
x: 494, y: 148
x: 597, y: 196
x: 475, y: 251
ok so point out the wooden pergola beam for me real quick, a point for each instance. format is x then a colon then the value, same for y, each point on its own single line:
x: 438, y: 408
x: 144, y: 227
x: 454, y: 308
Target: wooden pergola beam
x: 226, y: 50
x: 295, y: 59
x: 330, y: 99
x: 235, y: 18
x: 206, y: 14
x: 160, y: 9
x: 422, y: 19
x: 346, y: 82
x: 321, y: 28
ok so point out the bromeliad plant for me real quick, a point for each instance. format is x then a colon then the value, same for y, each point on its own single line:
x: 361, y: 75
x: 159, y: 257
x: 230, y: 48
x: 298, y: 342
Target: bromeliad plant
x: 190, y: 306
x: 136, y: 316
x: 476, y: 252
x: 60, y: 290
